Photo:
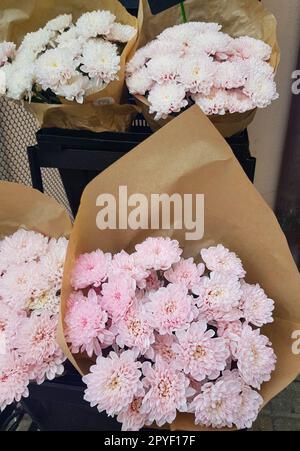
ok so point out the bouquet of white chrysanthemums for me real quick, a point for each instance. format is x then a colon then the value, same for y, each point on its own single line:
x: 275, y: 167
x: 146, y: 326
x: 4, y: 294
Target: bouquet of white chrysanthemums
x: 65, y: 59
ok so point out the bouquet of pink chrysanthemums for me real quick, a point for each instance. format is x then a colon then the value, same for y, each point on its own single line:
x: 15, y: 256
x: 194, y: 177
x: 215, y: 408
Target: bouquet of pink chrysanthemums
x: 196, y: 63
x: 170, y: 335
x: 31, y: 269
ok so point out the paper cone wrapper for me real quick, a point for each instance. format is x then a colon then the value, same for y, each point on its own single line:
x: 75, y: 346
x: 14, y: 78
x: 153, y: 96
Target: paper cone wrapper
x: 238, y: 18
x: 21, y: 17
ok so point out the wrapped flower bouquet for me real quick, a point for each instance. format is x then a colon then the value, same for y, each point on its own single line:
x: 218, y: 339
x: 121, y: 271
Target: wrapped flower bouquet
x: 183, y: 337
x: 33, y: 230
x: 75, y: 57
x: 223, y: 59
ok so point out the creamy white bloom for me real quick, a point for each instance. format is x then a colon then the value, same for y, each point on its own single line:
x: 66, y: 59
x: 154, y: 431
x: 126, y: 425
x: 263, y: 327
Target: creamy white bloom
x: 59, y: 23
x: 74, y: 89
x: 261, y: 89
x: 95, y: 23
x: 54, y: 67
x: 2, y: 82
x: 19, y: 79
x: 68, y: 35
x: 7, y: 52
x: 121, y: 33
x: 166, y: 99
x: 37, y: 41
x: 139, y: 82
x: 100, y: 59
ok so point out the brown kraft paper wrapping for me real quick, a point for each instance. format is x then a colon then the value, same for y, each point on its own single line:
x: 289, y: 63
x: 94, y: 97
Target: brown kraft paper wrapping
x: 20, y: 17
x: 189, y: 156
x: 238, y: 18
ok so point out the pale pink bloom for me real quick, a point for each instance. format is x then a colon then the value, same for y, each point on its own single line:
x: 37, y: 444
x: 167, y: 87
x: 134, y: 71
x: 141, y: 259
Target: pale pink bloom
x: 197, y: 74
x: 219, y: 297
x: 158, y: 253
x: 127, y: 264
x: 10, y: 323
x: 114, y: 382
x: 86, y: 324
x: 166, y: 99
x: 21, y: 247
x: 231, y: 332
x: 166, y: 392
x: 238, y: 101
x: 213, y: 103
x: 48, y: 368
x: 36, y: 338
x: 139, y: 82
x: 14, y: 379
x: 256, y: 306
x: 162, y: 348
x: 151, y: 283
x: 248, y: 407
x: 138, y: 60
x: 218, y: 258
x: 163, y: 69
x: 131, y: 417
x: 217, y: 403
x: 198, y: 353
x: 230, y: 74
x: 52, y: 263
x: 185, y: 272
x: 256, y: 359
x: 247, y: 47
x: 90, y: 270
x: 134, y: 330
x: 170, y: 308
x: 117, y: 296
x: 211, y: 43
x: 7, y: 52
x: 261, y: 89
x: 177, y: 32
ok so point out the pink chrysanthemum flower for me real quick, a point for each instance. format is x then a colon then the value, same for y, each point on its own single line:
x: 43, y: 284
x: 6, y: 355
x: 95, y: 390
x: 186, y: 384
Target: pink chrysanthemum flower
x: 48, y: 368
x: 256, y: 359
x: 220, y: 259
x: 230, y: 74
x: 163, y: 69
x: 231, y: 332
x: 117, y: 296
x: 166, y: 392
x: 210, y: 43
x: 197, y: 74
x: 178, y: 32
x: 158, y: 253
x: 151, y: 283
x: 247, y: 47
x: 114, y: 382
x: 166, y: 99
x: 217, y: 403
x: 248, y: 407
x: 219, y: 297
x: 162, y: 348
x: 261, y: 89
x: 199, y: 354
x: 127, y: 264
x: 86, y: 324
x: 139, y: 82
x: 213, y: 103
x: 256, y: 306
x: 52, y: 263
x: 21, y: 247
x: 10, y: 323
x: 238, y: 101
x: 185, y: 272
x: 134, y: 330
x: 170, y: 308
x: 90, y: 270
x: 14, y: 379
x: 36, y: 339
x: 131, y: 417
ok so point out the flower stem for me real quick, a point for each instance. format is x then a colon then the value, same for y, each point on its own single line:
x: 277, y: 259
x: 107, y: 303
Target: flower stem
x: 183, y: 13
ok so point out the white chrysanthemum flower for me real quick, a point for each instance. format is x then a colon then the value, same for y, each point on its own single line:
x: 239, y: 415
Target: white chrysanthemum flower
x: 121, y: 33
x: 231, y: 74
x: 94, y: 85
x: 55, y: 67
x: 67, y: 36
x: 73, y: 46
x: 95, y: 23
x: 197, y: 74
x: 139, y: 82
x: 210, y: 43
x: 100, y: 60
x: 59, y: 23
x: 2, y: 82
x: 215, y: 103
x: 19, y: 80
x: 261, y: 89
x: 37, y: 41
x: 7, y: 52
x: 188, y: 29
x: 74, y: 89
x: 166, y: 99
x: 164, y: 69
x: 248, y: 47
